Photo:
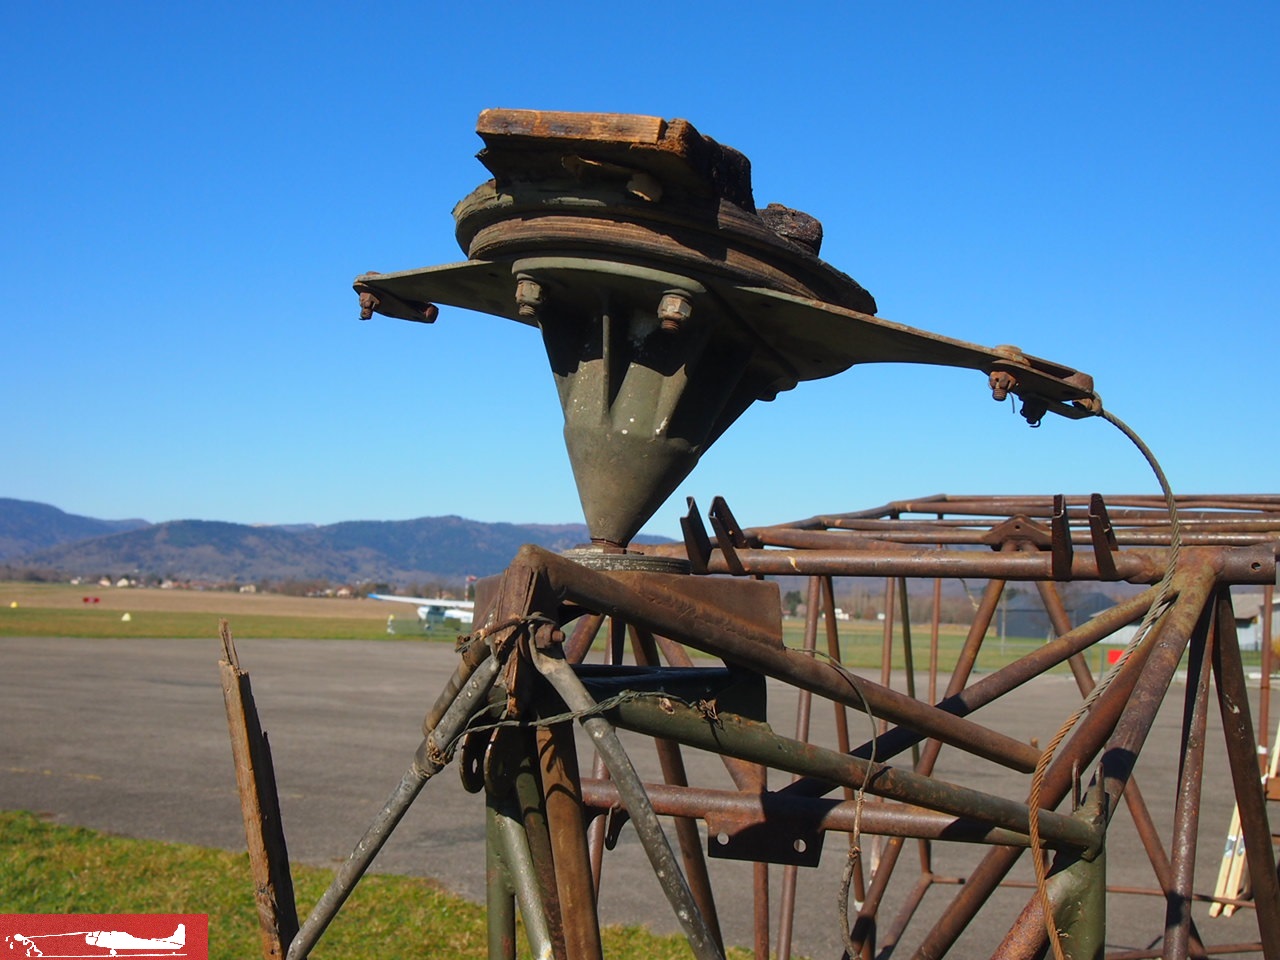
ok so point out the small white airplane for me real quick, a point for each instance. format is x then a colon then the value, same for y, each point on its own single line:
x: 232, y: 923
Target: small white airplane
x: 115, y: 940
x: 434, y: 613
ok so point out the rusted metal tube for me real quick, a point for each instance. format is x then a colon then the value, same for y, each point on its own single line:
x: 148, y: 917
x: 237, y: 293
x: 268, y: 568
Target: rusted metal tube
x: 997, y: 684
x: 669, y: 614
x: 1241, y: 740
x: 745, y: 776
x: 909, y: 906
x: 471, y: 697
x: 562, y: 801
x: 673, y: 772
x: 561, y: 676
x: 900, y: 739
x: 1132, y: 726
x: 512, y: 844
x: 787, y: 904
x: 1177, y: 924
x: 882, y: 819
x: 1242, y: 565
x: 1193, y: 583
x: 755, y: 741
x: 898, y: 536
x: 1143, y: 824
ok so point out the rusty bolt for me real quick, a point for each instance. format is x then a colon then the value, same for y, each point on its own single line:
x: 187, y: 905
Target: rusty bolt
x: 674, y: 309
x: 368, y: 304
x: 1001, y: 383
x: 528, y: 297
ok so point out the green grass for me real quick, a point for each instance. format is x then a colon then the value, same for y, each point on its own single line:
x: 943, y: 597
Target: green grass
x: 45, y: 868
x: 95, y: 624
x: 861, y: 646
x: 860, y: 642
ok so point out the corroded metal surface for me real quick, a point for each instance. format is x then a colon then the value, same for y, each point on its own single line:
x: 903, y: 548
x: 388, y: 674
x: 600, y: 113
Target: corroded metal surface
x: 668, y: 303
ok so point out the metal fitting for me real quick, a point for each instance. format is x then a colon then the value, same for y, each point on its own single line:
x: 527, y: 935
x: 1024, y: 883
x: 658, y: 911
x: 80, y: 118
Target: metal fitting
x: 1001, y: 383
x: 368, y: 304
x: 528, y: 297
x: 674, y: 309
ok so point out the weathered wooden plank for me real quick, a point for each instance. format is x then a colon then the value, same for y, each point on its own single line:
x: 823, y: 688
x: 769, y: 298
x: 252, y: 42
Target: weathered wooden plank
x: 556, y: 124
x: 260, y: 807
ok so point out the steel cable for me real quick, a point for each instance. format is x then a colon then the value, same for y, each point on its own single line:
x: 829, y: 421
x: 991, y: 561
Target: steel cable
x: 1159, y: 606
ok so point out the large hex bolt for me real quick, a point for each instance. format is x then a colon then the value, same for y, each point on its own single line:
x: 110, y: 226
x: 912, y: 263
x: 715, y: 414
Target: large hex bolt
x: 528, y: 297
x: 674, y: 309
x: 1002, y: 383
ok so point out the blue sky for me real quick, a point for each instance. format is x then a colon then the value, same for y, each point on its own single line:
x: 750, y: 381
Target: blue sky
x: 190, y: 190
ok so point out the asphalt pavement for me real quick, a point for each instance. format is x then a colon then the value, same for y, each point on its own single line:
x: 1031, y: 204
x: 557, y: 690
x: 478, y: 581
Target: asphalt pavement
x: 129, y: 737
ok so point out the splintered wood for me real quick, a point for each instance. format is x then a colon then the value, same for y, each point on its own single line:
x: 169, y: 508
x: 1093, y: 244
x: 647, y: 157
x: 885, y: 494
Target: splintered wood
x: 260, y: 805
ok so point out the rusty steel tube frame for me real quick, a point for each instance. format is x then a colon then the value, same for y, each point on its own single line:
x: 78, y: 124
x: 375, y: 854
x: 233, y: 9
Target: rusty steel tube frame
x: 1120, y: 719
x: 1140, y: 814
x: 592, y: 596
x: 1160, y: 654
x: 559, y: 674
x: 716, y: 632
x: 817, y: 813
x: 1146, y: 566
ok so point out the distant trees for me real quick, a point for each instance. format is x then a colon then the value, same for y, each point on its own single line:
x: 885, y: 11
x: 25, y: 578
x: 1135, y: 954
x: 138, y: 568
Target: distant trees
x: 298, y: 588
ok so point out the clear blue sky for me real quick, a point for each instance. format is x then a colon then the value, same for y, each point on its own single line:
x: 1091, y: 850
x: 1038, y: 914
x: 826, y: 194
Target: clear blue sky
x: 189, y: 190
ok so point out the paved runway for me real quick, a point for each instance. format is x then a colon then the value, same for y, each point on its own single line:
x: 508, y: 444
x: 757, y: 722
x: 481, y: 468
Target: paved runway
x: 129, y: 736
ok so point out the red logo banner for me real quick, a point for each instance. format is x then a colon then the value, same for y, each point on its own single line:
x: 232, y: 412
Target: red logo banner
x: 57, y: 935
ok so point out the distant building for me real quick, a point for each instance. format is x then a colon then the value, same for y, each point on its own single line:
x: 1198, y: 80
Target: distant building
x: 1249, y: 619
x: 1024, y: 615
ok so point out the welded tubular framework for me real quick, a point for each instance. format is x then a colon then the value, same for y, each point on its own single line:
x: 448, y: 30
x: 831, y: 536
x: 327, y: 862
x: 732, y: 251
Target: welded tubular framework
x: 668, y: 303
x: 1227, y: 541
x: 552, y: 649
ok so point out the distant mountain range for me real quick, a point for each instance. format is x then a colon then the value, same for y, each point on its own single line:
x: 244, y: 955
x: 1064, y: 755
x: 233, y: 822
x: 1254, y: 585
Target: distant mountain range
x: 39, y: 536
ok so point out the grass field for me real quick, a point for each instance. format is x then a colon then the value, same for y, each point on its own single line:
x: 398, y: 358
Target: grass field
x: 59, y: 610
x: 45, y: 868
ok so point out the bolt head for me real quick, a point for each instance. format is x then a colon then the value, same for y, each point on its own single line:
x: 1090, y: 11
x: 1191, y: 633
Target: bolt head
x: 674, y: 309
x: 528, y: 297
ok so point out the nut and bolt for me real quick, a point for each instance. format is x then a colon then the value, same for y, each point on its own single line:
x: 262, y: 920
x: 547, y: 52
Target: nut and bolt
x: 1001, y: 383
x: 674, y: 309
x: 368, y: 304
x: 528, y: 297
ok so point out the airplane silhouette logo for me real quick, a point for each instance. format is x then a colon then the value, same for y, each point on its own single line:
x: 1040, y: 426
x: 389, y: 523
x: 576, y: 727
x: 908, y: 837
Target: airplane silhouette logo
x: 119, y: 936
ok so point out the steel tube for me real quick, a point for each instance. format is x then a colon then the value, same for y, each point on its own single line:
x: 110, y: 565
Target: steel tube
x: 663, y: 612
x: 995, y: 685
x: 560, y: 674
x: 1242, y: 756
x: 1193, y: 584
x: 1177, y: 924
x: 1132, y: 727
x: 1242, y: 565
x: 1143, y: 824
x: 513, y: 846
x: 755, y: 741
x: 808, y: 813
x: 562, y: 801
x: 787, y: 905
x: 500, y: 905
x: 471, y: 696
x: 673, y: 772
x: 901, y: 739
